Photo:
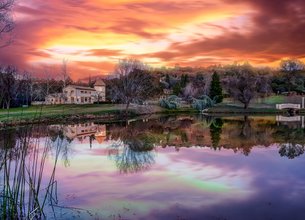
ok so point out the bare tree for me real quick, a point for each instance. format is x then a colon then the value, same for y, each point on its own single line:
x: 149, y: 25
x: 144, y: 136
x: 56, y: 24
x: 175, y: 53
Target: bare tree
x: 135, y: 87
x: 243, y: 83
x: 47, y: 76
x: 42, y: 87
x: 2, y: 87
x: 8, y: 85
x: 24, y: 88
x: 189, y: 91
x: 201, y: 84
x: 64, y: 72
x: 126, y: 66
x: 290, y: 67
x: 6, y: 22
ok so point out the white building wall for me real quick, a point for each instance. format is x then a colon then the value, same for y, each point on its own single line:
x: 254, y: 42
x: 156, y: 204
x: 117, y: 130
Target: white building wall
x: 74, y: 95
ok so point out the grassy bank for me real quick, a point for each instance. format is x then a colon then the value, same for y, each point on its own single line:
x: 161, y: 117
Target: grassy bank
x: 114, y: 112
x: 64, y: 113
x: 36, y: 114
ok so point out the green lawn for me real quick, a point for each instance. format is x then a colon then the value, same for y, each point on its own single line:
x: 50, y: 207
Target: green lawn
x: 36, y: 112
x: 267, y: 102
x: 259, y: 105
x: 273, y: 100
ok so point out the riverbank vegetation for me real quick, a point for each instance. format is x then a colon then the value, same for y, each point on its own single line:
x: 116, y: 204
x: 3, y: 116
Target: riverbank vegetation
x: 236, y: 88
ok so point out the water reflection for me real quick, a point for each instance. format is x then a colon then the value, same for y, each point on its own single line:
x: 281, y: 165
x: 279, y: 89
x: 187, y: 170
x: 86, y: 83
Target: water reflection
x: 215, y: 132
x: 24, y: 190
x: 291, y: 150
x: 130, y: 158
x: 82, y: 131
x: 240, y: 134
x: 29, y: 158
x: 157, y: 168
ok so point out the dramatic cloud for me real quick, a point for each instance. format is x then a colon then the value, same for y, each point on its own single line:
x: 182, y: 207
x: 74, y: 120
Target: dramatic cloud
x: 93, y: 35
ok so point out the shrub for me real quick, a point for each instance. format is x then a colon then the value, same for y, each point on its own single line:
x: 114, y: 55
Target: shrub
x: 172, y: 102
x: 203, y: 102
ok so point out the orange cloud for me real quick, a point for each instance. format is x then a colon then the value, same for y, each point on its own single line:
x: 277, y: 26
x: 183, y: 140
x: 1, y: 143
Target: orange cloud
x: 93, y: 35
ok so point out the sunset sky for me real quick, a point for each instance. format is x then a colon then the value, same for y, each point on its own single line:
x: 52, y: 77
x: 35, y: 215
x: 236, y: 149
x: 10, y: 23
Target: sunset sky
x: 93, y: 35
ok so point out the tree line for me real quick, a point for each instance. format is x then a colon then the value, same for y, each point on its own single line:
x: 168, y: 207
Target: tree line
x: 135, y: 82
x: 20, y: 88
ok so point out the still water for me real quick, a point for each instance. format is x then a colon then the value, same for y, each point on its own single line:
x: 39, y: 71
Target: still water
x: 178, y: 167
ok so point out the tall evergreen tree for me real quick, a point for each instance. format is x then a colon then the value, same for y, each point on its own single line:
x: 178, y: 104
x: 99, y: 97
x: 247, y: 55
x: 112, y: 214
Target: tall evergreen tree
x: 216, y: 89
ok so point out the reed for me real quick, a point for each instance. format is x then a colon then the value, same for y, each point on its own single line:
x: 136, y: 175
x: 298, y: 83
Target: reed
x: 24, y: 189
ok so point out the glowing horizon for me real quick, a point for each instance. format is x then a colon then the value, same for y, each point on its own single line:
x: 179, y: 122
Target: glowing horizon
x: 94, y: 35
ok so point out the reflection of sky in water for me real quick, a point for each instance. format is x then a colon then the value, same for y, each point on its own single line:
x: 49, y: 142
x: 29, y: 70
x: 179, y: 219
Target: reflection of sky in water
x: 191, y: 183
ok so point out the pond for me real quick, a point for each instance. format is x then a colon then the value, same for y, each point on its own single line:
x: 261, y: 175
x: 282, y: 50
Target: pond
x: 160, y: 167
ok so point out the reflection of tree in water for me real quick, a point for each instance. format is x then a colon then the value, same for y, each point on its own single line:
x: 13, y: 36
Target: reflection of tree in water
x: 164, y: 131
x: 57, y: 137
x: 215, y: 132
x: 246, y: 130
x: 243, y: 135
x: 240, y: 134
x: 141, y: 142
x: 205, y: 120
x: 291, y: 150
x: 292, y: 141
x: 132, y: 147
x: 130, y: 160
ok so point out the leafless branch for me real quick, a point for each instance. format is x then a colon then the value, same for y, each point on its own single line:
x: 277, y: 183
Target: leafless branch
x: 6, y: 22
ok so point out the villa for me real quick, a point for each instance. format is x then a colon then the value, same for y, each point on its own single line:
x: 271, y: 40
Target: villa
x: 73, y: 94
x: 83, y: 131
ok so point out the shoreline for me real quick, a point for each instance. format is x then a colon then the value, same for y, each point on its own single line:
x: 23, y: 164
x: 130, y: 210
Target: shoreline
x: 104, y: 117
x: 118, y: 115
